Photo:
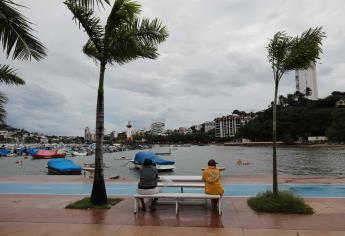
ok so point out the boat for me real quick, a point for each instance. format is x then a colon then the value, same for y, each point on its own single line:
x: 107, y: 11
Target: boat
x: 161, y: 164
x: 79, y: 153
x: 61, y: 166
x: 4, y: 152
x: 48, y: 154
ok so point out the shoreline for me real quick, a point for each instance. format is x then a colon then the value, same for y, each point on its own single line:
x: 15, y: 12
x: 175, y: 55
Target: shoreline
x: 281, y: 144
x: 225, y: 179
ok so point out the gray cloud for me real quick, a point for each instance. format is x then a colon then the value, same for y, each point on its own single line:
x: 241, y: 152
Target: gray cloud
x: 213, y: 62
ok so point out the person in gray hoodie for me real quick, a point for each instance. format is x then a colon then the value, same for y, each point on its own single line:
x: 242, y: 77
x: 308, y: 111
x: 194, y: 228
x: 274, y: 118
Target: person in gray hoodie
x: 148, y: 182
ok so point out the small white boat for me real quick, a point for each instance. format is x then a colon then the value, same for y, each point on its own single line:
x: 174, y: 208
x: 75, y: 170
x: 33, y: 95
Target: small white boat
x: 79, y: 153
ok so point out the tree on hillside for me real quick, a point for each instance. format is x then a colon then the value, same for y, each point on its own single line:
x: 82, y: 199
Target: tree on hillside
x: 285, y: 54
x: 17, y: 40
x: 124, y: 38
x: 336, y: 132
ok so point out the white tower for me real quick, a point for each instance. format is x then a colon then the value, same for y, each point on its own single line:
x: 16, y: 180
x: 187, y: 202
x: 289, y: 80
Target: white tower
x: 87, y: 134
x: 129, y: 131
x: 306, y: 82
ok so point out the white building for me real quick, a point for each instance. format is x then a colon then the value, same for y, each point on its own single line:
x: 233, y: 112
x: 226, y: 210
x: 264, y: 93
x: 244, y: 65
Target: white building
x: 209, y: 125
x: 44, y: 139
x: 113, y: 134
x: 87, y: 134
x: 340, y: 104
x: 228, y: 126
x: 157, y: 128
x: 306, y: 82
x: 182, y: 130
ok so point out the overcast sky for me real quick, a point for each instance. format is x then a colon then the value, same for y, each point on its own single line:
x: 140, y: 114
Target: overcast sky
x: 213, y: 62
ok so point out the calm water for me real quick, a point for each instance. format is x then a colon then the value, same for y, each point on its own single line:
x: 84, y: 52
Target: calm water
x: 189, y: 161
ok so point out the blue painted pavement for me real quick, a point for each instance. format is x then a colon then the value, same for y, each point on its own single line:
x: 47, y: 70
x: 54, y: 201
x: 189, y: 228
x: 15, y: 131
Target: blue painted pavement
x: 230, y: 190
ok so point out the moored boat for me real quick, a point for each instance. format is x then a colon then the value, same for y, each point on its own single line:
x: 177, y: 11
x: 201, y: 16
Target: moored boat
x: 79, y: 153
x: 161, y: 164
x: 4, y: 152
x: 62, y: 166
x: 48, y: 154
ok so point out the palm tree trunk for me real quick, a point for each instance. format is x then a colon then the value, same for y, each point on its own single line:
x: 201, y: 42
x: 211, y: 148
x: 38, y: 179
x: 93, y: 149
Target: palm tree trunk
x: 275, y: 175
x: 99, y: 194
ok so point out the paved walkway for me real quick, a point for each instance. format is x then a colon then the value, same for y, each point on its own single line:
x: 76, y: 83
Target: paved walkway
x: 45, y: 215
x: 39, y: 215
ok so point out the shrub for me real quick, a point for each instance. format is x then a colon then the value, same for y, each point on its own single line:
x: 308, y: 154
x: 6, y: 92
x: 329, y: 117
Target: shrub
x: 284, y: 202
x: 86, y: 203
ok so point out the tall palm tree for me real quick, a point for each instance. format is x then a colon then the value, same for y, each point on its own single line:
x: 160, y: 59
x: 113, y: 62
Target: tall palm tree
x: 124, y: 38
x: 17, y: 40
x: 285, y: 54
x: 90, y: 4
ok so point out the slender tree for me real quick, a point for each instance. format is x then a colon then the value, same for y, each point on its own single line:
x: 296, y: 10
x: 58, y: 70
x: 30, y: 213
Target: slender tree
x: 124, y: 38
x: 285, y: 54
x: 17, y: 40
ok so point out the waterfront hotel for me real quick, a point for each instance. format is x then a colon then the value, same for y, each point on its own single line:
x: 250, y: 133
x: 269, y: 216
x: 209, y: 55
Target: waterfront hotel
x: 228, y: 126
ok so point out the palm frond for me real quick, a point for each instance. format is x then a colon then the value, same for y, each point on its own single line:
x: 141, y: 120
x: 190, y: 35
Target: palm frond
x: 90, y: 23
x: 3, y: 101
x: 8, y: 75
x: 91, y: 51
x: 150, y: 32
x: 305, y: 50
x: 137, y: 39
x: 123, y: 11
x: 91, y: 3
x: 15, y: 34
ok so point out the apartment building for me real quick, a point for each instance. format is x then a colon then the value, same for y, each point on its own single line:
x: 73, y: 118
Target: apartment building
x: 228, y: 126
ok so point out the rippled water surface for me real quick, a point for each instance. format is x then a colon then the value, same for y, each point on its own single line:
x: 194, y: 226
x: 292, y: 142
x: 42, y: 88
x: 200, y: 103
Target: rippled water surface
x: 189, y: 161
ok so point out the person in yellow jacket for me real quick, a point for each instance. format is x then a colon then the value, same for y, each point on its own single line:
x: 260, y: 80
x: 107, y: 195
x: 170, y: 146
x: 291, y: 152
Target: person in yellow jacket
x: 211, y: 177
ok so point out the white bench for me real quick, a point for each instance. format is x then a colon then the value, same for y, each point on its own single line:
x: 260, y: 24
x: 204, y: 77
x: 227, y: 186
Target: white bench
x: 90, y: 170
x: 181, y: 178
x: 177, y: 197
x: 182, y: 185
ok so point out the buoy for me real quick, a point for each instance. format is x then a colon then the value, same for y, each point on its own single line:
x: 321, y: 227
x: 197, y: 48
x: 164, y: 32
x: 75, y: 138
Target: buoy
x: 239, y: 162
x: 19, y: 162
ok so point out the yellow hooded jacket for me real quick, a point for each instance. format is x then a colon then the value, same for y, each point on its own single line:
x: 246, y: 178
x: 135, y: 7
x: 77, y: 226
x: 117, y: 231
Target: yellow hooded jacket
x: 211, y: 176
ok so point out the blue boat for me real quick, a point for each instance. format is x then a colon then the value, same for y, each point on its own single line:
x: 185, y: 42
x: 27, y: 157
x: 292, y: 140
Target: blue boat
x: 4, y: 152
x: 161, y: 164
x: 33, y: 151
x: 62, y: 166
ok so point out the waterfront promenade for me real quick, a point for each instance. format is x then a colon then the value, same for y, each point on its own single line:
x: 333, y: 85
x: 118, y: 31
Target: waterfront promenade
x: 45, y: 215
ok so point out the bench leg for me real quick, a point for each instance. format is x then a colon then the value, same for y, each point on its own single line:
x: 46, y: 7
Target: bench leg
x: 220, y: 206
x: 176, y: 206
x: 135, y: 205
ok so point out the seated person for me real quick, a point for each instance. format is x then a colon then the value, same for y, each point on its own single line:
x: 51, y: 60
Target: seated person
x: 148, y: 182
x: 211, y: 177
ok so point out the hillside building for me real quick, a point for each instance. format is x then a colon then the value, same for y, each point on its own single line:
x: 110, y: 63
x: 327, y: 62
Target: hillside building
x: 228, y: 126
x: 208, y: 126
x: 306, y: 82
x: 157, y: 128
x: 87, y: 134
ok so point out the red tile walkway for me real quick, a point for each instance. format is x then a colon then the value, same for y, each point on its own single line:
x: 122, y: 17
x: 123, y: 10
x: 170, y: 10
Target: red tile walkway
x: 38, y: 215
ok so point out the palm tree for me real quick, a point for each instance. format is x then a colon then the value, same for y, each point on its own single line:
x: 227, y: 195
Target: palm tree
x: 124, y: 38
x: 17, y: 40
x: 285, y: 54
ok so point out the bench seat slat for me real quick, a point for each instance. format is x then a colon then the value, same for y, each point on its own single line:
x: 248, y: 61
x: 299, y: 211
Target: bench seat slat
x: 178, y: 195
